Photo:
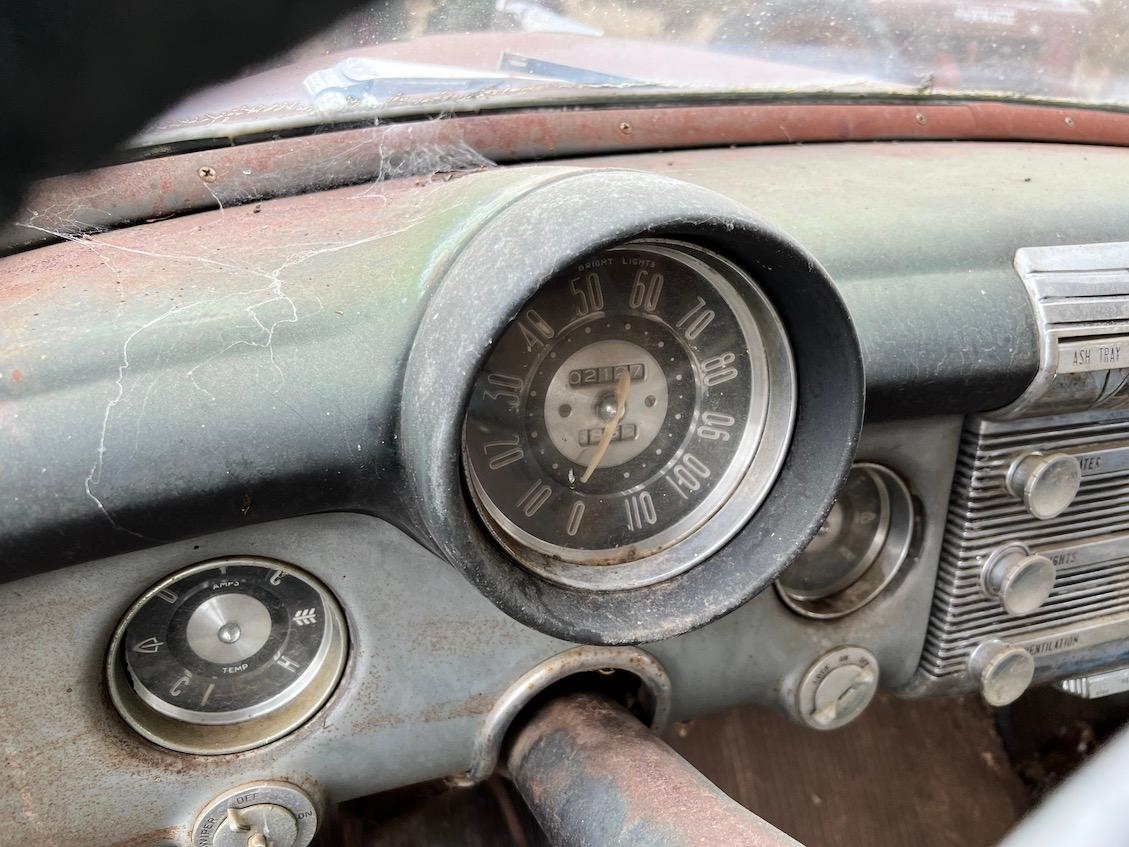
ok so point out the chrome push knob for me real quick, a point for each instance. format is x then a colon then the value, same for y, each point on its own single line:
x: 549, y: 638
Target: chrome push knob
x: 1021, y: 580
x: 1003, y: 671
x: 1047, y: 484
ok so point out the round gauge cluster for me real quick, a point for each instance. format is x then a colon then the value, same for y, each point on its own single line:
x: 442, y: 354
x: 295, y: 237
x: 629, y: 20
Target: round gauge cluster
x: 227, y: 655
x: 863, y: 543
x: 632, y: 399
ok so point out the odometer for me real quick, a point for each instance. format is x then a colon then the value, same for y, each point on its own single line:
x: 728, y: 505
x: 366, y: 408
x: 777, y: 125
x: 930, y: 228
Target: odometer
x: 622, y: 408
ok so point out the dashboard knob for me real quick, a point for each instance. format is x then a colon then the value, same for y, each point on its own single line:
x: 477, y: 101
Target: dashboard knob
x: 837, y: 687
x: 1003, y: 671
x: 260, y: 814
x: 1021, y: 580
x: 1046, y: 483
x: 261, y: 825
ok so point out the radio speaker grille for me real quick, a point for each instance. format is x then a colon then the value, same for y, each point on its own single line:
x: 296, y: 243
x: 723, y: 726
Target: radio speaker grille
x: 984, y: 516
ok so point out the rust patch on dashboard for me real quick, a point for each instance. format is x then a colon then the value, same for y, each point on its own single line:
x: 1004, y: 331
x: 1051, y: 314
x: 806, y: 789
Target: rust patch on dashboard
x: 473, y: 706
x: 171, y: 834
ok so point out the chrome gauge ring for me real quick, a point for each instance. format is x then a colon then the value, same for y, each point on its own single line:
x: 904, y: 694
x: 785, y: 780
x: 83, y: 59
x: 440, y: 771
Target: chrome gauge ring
x: 864, y: 542
x: 226, y: 655
x: 632, y: 417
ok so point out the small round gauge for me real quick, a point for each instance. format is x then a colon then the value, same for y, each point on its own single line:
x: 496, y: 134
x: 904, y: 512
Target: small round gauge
x: 227, y: 655
x: 862, y: 544
x: 639, y: 394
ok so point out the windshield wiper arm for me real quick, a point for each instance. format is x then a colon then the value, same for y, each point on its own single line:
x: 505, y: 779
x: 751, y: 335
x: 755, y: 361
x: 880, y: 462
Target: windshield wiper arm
x: 363, y: 83
x: 574, y: 74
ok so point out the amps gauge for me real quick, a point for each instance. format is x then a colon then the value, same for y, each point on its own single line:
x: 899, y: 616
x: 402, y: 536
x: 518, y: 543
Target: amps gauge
x: 226, y: 655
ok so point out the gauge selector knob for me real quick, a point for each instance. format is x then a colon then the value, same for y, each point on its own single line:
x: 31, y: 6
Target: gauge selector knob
x: 1046, y: 483
x: 1021, y: 580
x: 1002, y: 670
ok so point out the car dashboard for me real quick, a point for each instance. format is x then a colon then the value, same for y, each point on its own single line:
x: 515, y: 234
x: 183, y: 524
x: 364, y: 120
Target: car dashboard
x: 313, y: 494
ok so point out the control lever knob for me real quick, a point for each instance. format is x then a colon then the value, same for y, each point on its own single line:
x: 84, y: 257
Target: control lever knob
x: 259, y: 814
x: 837, y: 687
x: 260, y: 825
x: 1003, y: 670
x: 1021, y: 580
x: 1046, y: 483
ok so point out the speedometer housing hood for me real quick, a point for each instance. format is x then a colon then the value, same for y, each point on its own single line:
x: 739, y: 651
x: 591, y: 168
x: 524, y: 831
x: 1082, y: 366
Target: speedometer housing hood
x: 482, y: 289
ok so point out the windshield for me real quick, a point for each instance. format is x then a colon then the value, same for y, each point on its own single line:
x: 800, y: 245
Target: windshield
x: 425, y: 57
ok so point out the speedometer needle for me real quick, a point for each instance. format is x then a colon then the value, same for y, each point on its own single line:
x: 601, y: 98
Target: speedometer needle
x: 622, y: 388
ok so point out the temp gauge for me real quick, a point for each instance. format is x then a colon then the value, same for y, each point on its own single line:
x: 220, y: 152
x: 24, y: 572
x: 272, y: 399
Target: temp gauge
x: 227, y: 655
x: 632, y: 417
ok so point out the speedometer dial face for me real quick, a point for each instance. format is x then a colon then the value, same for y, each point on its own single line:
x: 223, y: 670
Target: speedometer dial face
x: 622, y: 409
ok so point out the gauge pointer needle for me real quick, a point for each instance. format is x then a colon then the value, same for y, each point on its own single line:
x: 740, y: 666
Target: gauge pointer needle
x: 622, y: 388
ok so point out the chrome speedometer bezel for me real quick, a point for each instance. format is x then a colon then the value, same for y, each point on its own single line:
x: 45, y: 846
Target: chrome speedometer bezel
x: 744, y: 483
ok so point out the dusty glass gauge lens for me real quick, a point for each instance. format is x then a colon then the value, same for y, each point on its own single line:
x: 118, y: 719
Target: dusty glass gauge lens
x: 227, y: 654
x: 623, y: 408
x: 863, y: 542
x: 848, y: 542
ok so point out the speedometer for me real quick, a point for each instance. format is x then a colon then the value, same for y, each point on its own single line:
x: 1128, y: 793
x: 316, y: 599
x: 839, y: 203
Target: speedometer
x: 641, y: 400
